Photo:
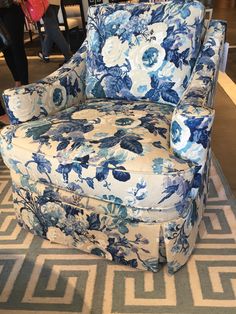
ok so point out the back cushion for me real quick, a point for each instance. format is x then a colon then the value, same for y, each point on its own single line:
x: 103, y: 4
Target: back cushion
x: 142, y: 51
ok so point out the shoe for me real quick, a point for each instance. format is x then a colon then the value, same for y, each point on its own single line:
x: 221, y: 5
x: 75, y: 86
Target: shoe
x: 43, y: 58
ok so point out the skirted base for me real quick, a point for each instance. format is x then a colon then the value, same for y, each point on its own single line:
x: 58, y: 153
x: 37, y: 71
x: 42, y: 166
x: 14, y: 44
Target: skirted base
x: 104, y: 229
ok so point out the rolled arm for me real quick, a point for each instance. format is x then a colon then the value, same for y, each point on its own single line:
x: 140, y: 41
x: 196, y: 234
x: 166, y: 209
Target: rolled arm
x: 61, y: 89
x: 193, y: 117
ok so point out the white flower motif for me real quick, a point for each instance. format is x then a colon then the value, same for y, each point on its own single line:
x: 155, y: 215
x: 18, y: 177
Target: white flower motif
x: 114, y: 52
x: 27, y: 109
x: 51, y: 207
x: 141, y: 82
x: 147, y: 56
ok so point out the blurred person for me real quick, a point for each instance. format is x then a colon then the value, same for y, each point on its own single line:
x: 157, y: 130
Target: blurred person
x: 15, y: 56
x: 53, y: 33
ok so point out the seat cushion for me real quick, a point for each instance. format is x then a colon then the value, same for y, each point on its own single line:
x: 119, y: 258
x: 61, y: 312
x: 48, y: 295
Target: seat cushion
x: 142, y: 51
x: 106, y: 150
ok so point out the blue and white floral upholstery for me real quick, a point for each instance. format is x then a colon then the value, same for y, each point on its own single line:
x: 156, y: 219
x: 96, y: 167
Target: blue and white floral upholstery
x: 118, y: 176
x: 142, y: 51
x: 62, y: 89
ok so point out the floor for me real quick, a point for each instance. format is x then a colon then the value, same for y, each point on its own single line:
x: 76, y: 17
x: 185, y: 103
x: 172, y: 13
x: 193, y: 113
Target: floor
x: 224, y: 136
x: 230, y: 16
x: 224, y: 133
x: 231, y: 64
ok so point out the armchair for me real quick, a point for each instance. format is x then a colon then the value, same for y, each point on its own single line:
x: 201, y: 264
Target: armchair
x: 110, y: 154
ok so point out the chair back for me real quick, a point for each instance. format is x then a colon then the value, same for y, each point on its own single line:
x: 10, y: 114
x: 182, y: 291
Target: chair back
x: 142, y: 51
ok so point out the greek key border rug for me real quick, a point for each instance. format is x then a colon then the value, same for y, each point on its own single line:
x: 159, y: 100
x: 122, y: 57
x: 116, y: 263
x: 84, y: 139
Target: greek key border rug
x: 38, y: 277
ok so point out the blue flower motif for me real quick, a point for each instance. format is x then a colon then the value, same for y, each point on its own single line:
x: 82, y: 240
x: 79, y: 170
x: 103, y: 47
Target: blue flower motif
x: 116, y: 22
x: 150, y: 57
x: 57, y: 97
x: 199, y: 130
x: 176, y: 132
x: 43, y: 165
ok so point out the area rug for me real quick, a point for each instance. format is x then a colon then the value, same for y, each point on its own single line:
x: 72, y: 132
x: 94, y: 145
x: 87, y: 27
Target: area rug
x: 38, y: 277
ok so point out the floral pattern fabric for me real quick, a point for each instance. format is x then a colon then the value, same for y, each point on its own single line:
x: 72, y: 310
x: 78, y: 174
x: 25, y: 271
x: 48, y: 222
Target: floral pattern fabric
x: 142, y: 51
x: 200, y: 90
x: 193, y: 117
x: 108, y: 232
x: 123, y: 179
x: 105, y: 146
x: 62, y: 89
x: 190, y: 132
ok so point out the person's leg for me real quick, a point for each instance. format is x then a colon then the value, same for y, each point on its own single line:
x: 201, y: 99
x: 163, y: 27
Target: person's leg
x: 7, y: 52
x: 15, y: 55
x: 53, y: 33
x: 48, y: 41
x: 47, y: 46
x: 2, y: 111
x: 19, y: 50
x: 11, y: 63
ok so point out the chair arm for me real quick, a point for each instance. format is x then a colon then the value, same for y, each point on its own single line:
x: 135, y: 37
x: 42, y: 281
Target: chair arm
x: 202, y: 83
x: 192, y: 118
x: 61, y: 89
x: 190, y: 132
